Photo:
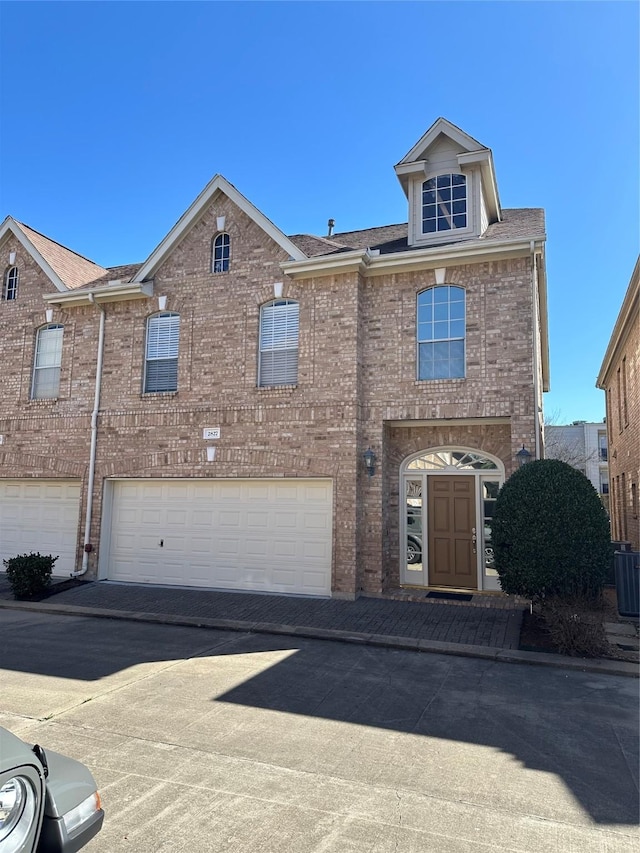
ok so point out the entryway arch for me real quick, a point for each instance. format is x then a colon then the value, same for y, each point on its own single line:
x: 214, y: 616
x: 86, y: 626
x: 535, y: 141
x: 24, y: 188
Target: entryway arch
x: 447, y: 496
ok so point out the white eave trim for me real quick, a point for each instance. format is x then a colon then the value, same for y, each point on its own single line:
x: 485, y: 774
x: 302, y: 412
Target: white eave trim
x: 104, y: 293
x: 369, y: 264
x: 11, y: 226
x: 622, y: 327
x: 193, y: 213
x: 442, y: 125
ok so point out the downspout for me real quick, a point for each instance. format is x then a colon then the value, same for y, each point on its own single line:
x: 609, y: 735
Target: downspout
x: 94, y: 440
x: 536, y: 355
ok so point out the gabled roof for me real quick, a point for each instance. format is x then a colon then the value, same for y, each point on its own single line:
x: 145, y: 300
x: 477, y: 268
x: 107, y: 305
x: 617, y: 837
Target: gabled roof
x: 472, y: 153
x: 195, y: 211
x: 441, y: 126
x: 66, y: 269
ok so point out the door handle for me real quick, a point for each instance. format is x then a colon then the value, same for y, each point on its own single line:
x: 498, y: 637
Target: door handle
x: 474, y: 539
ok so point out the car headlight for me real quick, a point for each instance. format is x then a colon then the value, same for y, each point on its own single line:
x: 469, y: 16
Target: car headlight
x: 87, y: 808
x: 18, y: 811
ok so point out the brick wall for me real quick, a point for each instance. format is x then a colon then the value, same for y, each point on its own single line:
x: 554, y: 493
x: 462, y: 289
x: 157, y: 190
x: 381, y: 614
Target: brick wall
x: 357, y: 376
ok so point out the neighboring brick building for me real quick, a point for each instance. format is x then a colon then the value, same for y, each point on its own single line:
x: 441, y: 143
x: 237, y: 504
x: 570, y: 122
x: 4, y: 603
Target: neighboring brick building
x: 619, y: 377
x: 203, y: 418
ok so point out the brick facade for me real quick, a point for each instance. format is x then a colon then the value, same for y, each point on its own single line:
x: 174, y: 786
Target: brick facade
x: 620, y: 379
x: 357, y: 385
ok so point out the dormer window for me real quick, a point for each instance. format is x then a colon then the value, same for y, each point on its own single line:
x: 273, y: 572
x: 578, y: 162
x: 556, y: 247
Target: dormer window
x: 221, y: 253
x: 10, y: 284
x: 444, y: 203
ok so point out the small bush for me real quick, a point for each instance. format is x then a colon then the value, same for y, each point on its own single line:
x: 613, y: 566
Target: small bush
x: 29, y: 574
x: 575, y: 627
x: 550, y: 533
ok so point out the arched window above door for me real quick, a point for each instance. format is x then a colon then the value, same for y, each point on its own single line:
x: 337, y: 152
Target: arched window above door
x: 452, y: 459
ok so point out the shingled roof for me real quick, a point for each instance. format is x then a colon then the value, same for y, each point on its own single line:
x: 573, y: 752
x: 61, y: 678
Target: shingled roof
x: 517, y: 223
x: 73, y: 269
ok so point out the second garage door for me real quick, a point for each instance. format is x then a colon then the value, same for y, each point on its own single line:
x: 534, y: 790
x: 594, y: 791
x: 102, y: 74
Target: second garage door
x: 270, y: 535
x: 40, y: 515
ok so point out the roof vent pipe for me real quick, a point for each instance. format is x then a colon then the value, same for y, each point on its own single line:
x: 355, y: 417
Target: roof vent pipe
x: 331, y: 224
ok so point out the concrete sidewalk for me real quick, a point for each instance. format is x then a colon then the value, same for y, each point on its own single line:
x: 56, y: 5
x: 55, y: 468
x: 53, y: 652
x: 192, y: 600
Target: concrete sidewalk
x: 429, y: 625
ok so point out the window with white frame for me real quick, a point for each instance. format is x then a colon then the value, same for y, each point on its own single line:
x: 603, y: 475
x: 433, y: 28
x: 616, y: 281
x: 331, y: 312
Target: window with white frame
x: 161, y: 361
x: 46, y: 363
x: 221, y: 253
x: 278, y: 357
x: 10, y: 284
x: 441, y: 333
x: 444, y: 203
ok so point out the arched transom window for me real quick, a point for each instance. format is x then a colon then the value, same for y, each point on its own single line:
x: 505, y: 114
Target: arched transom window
x: 452, y: 460
x: 444, y: 203
x: 441, y: 333
x: 10, y: 284
x: 221, y: 253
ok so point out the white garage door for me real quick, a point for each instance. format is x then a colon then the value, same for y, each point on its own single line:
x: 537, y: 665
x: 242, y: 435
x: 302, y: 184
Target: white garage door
x: 271, y: 535
x: 40, y: 515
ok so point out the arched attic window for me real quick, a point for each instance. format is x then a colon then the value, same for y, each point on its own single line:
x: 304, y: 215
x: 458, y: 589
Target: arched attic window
x: 220, y: 253
x: 444, y: 203
x: 10, y: 283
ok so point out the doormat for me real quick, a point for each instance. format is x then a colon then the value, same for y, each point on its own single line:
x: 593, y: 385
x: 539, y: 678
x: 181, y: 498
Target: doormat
x: 455, y: 596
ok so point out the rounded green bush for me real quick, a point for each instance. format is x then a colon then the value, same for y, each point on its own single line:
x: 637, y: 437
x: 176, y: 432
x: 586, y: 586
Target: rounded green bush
x: 550, y: 533
x: 29, y: 574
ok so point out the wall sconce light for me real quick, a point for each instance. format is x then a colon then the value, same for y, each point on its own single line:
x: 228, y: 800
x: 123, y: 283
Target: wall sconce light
x: 12, y: 257
x: 48, y: 313
x: 211, y: 454
x: 523, y: 456
x: 162, y: 303
x: 220, y: 220
x: 370, y: 461
x: 277, y: 290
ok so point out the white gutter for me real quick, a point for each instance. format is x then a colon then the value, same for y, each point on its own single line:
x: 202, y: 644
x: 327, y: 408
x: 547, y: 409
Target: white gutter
x: 94, y: 440
x: 424, y: 257
x: 536, y: 324
x: 107, y: 293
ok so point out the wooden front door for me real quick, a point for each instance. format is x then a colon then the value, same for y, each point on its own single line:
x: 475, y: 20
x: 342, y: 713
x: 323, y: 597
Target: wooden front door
x: 452, y: 534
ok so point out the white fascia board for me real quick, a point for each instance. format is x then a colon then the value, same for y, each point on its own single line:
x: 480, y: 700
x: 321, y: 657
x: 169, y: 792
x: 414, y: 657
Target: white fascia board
x: 106, y: 293
x: 356, y: 260
x: 441, y: 125
x: 11, y: 226
x: 622, y: 326
x: 411, y: 168
x: 484, y: 158
x: 192, y: 214
x: 425, y: 258
x: 543, y: 313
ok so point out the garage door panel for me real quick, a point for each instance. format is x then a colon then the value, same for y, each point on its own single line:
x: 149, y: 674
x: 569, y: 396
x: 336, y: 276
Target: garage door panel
x: 40, y: 515
x: 270, y: 535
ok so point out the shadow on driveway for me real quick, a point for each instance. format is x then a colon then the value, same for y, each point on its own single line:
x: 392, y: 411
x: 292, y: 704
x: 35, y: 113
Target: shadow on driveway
x: 581, y: 727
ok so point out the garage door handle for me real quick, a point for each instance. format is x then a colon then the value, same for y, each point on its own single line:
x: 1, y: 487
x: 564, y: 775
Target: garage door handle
x: 162, y: 543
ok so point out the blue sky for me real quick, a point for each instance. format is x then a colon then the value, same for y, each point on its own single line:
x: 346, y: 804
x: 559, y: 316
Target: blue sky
x: 116, y: 115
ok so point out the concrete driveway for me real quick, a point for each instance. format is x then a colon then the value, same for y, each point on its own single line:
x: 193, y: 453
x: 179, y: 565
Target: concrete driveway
x: 212, y: 741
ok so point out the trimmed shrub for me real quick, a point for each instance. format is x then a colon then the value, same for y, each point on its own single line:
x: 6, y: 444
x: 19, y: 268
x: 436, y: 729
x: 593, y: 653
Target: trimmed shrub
x: 29, y: 574
x: 550, y: 533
